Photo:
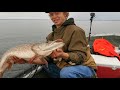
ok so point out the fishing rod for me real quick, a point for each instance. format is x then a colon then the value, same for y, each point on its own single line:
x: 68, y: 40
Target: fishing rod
x: 91, y: 19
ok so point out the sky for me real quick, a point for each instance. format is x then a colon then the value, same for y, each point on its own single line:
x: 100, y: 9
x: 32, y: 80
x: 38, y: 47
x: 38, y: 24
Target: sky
x: 75, y: 15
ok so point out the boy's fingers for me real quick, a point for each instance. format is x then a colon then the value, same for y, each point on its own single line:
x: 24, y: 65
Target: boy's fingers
x: 59, y: 40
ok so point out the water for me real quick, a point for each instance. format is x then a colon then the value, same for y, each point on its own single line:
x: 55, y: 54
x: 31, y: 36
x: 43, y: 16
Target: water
x: 15, y: 32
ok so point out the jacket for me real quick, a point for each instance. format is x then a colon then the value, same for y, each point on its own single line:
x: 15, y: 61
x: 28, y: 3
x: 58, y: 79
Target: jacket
x: 76, y: 44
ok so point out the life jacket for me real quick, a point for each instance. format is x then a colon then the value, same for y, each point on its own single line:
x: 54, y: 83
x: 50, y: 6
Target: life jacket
x: 104, y: 47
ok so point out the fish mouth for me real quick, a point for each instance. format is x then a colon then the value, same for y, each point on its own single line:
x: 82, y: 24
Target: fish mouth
x: 52, y: 46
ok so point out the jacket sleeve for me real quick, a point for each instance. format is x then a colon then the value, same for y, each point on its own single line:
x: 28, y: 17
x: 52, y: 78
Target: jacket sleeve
x: 78, y: 47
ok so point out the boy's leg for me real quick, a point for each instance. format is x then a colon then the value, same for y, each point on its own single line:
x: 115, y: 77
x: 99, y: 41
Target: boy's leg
x: 52, y: 70
x: 78, y: 71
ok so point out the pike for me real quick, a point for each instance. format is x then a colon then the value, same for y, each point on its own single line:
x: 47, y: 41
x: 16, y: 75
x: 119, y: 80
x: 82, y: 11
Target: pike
x: 28, y: 51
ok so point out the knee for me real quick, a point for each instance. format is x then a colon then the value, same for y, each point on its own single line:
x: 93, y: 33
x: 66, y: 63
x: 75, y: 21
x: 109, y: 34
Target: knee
x: 65, y: 73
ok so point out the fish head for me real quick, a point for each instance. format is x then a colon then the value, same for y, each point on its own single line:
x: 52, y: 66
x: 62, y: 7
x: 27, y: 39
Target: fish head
x: 45, y: 49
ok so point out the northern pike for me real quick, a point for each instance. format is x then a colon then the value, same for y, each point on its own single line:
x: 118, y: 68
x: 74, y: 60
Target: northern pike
x: 28, y: 51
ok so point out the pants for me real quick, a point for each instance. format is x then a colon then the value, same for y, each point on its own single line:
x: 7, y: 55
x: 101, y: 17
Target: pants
x: 78, y: 71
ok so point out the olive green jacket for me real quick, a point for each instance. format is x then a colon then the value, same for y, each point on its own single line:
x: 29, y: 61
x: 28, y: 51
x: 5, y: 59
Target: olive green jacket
x: 76, y: 44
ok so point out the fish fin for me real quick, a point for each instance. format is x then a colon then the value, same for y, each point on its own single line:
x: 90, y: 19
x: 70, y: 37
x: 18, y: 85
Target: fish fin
x: 7, y: 66
x: 30, y: 61
x: 45, y: 61
x: 1, y: 74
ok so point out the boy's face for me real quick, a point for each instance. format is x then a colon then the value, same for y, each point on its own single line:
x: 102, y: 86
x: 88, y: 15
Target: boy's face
x: 58, y: 18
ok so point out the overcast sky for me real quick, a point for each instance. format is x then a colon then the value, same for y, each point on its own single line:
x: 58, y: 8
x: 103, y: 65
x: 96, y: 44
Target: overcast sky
x: 76, y: 15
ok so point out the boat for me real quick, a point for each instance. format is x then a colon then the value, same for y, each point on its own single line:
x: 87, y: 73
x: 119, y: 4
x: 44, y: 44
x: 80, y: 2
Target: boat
x: 30, y: 72
x: 108, y: 67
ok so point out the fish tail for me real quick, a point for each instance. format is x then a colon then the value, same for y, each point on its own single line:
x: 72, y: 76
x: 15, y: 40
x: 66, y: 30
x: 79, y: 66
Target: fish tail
x: 45, y: 61
x: 2, y: 61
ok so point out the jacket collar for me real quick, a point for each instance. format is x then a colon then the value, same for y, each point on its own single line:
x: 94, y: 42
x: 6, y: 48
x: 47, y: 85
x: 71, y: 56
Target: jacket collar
x: 70, y: 21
